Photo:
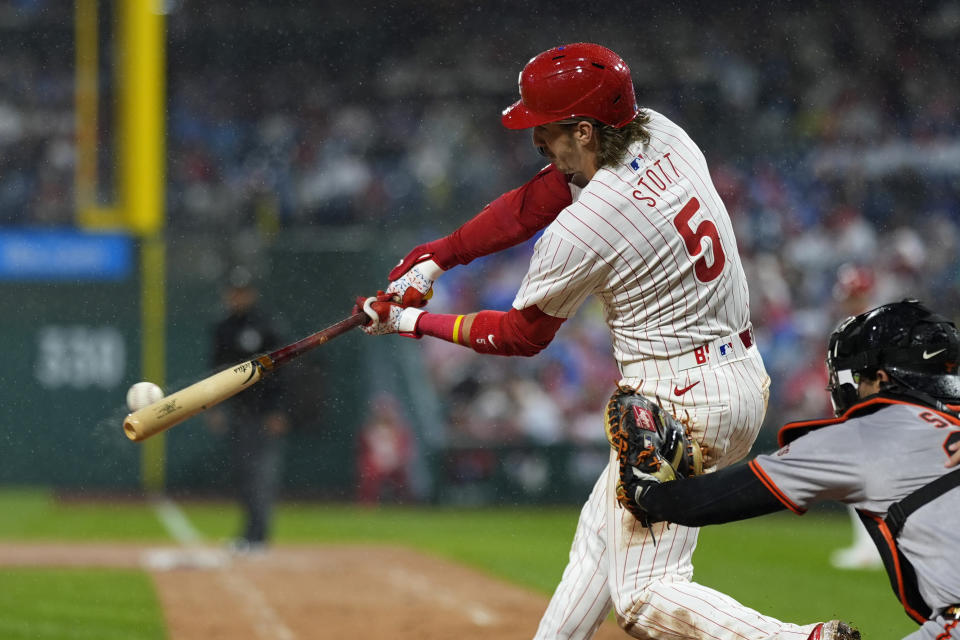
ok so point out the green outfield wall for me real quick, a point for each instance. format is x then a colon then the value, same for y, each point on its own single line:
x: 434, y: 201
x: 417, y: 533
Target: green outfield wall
x: 72, y: 346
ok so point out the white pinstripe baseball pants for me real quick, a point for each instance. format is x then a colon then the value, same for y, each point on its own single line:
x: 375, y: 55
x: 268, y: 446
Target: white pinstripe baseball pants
x: 614, y: 562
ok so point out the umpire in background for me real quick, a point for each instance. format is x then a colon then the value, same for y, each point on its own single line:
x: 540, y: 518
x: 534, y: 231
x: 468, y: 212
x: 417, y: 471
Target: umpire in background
x: 254, y: 421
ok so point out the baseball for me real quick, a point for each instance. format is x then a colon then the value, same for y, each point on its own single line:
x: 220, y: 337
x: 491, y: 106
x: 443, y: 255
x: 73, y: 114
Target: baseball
x: 142, y: 394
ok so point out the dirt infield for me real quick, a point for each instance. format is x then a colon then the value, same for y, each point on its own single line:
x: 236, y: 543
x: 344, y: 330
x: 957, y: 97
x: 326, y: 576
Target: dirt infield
x: 308, y: 592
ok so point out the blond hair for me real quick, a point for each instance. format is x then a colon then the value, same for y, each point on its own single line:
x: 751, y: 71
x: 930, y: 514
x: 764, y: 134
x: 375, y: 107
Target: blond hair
x: 612, y: 142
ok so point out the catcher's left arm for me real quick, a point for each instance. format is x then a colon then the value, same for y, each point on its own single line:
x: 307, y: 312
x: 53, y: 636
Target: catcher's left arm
x: 730, y: 494
x: 654, y: 450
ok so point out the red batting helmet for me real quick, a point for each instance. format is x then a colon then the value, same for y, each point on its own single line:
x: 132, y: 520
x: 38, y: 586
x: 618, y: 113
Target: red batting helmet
x: 574, y: 80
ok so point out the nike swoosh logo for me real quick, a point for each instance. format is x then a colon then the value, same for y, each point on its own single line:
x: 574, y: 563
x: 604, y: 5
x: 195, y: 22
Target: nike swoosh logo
x: 490, y: 339
x: 927, y: 356
x: 677, y: 391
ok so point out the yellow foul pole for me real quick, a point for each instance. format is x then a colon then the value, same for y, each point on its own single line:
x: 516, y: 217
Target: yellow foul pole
x: 141, y: 68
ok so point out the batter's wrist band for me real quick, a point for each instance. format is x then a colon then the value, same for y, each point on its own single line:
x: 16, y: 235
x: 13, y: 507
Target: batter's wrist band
x: 456, y: 329
x: 445, y: 326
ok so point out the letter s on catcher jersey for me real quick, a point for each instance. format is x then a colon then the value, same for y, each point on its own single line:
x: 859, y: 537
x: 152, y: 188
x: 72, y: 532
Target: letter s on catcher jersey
x: 651, y: 237
x: 870, y: 462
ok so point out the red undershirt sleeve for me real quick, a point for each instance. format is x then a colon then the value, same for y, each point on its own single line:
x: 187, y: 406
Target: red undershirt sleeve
x: 509, y: 220
x: 523, y: 332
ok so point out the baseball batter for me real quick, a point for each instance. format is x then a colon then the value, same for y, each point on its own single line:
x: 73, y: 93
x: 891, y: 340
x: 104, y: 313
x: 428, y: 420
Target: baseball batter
x: 893, y: 380
x: 630, y: 215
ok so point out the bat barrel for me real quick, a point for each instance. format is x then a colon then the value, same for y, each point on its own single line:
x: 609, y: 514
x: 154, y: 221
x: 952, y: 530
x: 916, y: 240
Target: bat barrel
x: 186, y: 403
x: 177, y: 407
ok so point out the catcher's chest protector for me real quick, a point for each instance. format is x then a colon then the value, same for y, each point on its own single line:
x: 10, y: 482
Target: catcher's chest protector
x: 885, y: 534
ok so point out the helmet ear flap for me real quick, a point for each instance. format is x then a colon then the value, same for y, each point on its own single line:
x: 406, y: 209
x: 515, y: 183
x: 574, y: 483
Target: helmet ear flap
x: 849, y: 354
x: 844, y: 390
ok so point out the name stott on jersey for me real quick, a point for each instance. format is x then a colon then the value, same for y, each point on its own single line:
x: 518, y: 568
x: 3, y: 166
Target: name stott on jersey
x: 652, y: 238
x: 871, y: 462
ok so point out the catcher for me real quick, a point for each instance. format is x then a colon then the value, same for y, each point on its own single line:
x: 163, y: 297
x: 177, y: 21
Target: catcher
x: 893, y: 379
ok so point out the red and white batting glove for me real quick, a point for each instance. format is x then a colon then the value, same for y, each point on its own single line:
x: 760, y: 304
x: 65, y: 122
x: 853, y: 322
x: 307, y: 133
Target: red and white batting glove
x: 388, y: 316
x: 413, y: 287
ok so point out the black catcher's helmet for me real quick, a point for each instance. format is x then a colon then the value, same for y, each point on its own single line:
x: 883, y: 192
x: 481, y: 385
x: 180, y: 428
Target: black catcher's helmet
x: 919, y: 349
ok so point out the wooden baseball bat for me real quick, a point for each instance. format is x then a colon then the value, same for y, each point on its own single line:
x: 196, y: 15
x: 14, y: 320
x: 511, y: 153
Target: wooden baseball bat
x: 200, y: 396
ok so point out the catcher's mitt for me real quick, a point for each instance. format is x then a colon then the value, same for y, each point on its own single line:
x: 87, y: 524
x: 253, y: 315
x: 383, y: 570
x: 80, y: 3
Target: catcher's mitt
x: 650, y: 445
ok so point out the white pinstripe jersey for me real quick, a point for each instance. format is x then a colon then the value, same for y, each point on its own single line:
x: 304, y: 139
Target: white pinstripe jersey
x: 653, y: 240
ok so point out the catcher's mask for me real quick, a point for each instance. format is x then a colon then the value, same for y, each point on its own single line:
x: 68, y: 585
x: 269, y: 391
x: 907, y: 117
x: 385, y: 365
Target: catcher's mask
x: 919, y: 350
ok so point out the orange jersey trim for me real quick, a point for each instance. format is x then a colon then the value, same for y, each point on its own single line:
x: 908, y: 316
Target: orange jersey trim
x: 888, y: 539
x: 793, y: 430
x: 774, y: 489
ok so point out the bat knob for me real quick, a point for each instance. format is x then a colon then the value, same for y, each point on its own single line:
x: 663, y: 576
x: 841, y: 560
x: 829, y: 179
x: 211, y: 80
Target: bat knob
x: 130, y: 429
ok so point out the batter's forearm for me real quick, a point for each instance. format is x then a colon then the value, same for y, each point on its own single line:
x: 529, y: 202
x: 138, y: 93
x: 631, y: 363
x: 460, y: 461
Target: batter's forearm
x: 730, y: 494
x: 494, y: 229
x: 449, y: 327
x: 512, y: 218
x: 514, y: 333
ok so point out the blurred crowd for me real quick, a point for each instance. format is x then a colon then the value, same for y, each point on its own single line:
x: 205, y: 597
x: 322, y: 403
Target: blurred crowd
x: 831, y: 130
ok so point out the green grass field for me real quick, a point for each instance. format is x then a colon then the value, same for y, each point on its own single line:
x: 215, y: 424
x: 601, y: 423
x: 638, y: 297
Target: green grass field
x: 99, y: 604
x: 777, y: 564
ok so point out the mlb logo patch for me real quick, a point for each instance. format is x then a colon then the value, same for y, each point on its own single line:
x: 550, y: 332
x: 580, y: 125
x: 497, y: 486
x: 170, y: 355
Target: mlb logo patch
x: 635, y: 163
x: 726, y: 349
x: 644, y: 419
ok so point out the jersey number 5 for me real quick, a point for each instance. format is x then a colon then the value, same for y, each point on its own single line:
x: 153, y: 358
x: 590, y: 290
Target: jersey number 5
x: 692, y: 238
